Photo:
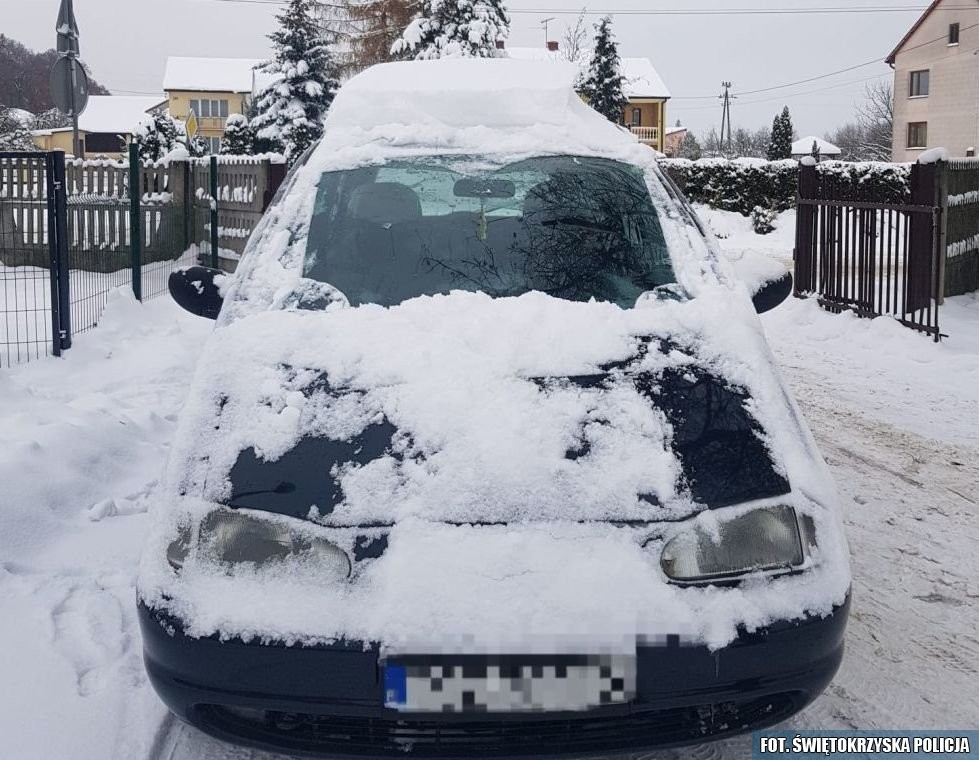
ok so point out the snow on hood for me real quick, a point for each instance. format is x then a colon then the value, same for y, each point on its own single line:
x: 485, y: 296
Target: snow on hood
x: 482, y: 418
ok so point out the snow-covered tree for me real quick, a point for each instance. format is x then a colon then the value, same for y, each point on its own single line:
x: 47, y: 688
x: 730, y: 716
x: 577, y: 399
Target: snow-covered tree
x: 780, y: 146
x: 156, y: 136
x: 575, y: 41
x: 15, y: 132
x: 239, y: 137
x: 446, y: 28
x: 289, y: 112
x: 815, y: 153
x: 602, y: 86
x: 690, y: 148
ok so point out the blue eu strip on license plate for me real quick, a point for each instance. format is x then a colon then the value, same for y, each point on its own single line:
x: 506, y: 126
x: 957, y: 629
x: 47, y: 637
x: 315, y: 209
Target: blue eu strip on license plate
x: 395, y: 686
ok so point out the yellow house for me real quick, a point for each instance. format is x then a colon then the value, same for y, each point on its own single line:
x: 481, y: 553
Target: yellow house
x: 213, y: 88
x: 105, y: 127
x: 645, y: 115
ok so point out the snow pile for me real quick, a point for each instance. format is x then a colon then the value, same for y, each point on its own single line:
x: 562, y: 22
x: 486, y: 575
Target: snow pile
x: 455, y: 98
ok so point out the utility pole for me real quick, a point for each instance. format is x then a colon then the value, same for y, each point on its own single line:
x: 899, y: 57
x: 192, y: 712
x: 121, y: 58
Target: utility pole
x: 727, y: 97
x: 544, y: 24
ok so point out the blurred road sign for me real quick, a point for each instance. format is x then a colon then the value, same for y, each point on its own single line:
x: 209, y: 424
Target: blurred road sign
x: 67, y: 29
x: 70, y: 93
x: 192, y: 125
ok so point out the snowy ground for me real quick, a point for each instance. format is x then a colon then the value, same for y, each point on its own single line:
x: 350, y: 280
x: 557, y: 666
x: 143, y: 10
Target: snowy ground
x: 83, y: 439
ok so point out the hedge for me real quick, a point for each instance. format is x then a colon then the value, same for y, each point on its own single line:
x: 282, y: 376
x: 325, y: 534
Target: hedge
x: 743, y: 184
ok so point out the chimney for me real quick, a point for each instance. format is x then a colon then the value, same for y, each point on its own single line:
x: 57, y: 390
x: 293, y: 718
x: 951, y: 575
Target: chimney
x: 552, y: 46
x: 500, y: 44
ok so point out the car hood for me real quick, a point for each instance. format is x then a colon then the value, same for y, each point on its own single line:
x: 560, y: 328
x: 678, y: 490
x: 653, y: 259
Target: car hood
x: 467, y: 409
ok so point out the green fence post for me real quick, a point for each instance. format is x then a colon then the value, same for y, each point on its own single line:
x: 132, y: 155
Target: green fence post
x: 214, y: 212
x: 135, y: 221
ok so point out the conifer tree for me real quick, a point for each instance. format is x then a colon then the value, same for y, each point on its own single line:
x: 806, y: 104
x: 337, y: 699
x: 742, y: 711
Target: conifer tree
x: 602, y: 86
x: 289, y: 112
x: 447, y: 28
x: 780, y: 146
x: 239, y: 137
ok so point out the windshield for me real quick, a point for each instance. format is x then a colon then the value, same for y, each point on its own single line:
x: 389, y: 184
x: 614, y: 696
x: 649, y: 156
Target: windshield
x: 574, y: 228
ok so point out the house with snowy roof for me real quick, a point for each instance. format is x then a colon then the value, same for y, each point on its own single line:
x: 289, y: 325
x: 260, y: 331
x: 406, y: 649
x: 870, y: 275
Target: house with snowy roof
x: 214, y: 89
x: 805, y: 147
x: 105, y: 127
x: 645, y: 114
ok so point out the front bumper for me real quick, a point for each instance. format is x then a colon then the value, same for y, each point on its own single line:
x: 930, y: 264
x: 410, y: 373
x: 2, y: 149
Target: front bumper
x: 328, y: 700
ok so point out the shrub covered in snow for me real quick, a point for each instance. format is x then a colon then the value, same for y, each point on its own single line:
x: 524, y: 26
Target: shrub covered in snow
x: 157, y: 136
x: 450, y: 28
x: 289, y: 112
x: 239, y: 137
x: 763, y: 220
x: 743, y: 184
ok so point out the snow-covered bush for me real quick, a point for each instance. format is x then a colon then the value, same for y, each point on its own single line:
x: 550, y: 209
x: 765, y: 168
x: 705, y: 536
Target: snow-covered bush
x: 239, y: 137
x: 763, y: 220
x: 744, y: 183
x: 446, y: 28
x: 156, y: 136
x: 15, y: 131
x: 289, y: 112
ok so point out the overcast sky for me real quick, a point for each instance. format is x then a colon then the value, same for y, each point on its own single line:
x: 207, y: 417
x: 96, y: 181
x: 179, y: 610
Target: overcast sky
x: 126, y: 42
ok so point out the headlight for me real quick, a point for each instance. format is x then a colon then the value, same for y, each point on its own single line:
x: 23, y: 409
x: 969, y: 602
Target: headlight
x: 234, y: 538
x: 766, y: 539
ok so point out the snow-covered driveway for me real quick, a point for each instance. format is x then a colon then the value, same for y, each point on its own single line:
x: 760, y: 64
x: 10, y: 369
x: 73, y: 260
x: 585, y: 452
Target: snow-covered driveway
x: 82, y: 442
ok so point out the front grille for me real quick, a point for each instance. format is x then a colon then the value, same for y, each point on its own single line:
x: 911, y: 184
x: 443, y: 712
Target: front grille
x: 384, y: 736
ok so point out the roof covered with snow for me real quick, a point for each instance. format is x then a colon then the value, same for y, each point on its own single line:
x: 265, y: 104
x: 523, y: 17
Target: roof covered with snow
x: 803, y: 147
x: 641, y: 78
x: 118, y: 114
x: 477, y: 103
x: 212, y: 74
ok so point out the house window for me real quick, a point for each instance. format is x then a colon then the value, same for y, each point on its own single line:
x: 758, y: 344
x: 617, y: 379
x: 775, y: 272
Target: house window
x: 920, y: 81
x: 637, y: 117
x: 210, y: 109
x: 953, y: 34
x: 918, y: 134
x: 215, y: 145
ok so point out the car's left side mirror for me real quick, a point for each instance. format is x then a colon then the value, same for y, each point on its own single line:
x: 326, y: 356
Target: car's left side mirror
x: 196, y: 290
x: 772, y: 293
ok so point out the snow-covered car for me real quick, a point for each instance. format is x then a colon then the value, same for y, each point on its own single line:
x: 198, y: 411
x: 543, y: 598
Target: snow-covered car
x: 487, y: 454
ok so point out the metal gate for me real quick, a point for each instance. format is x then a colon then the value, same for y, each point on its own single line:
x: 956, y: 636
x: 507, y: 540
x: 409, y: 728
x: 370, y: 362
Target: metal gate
x: 35, y: 318
x: 872, y: 258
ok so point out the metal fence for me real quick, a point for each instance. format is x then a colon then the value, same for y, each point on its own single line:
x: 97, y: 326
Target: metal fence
x: 71, y: 233
x: 960, y: 180
x: 29, y: 200
x: 872, y: 258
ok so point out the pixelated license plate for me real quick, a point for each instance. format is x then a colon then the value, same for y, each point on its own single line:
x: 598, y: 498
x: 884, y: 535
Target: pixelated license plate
x: 508, y: 684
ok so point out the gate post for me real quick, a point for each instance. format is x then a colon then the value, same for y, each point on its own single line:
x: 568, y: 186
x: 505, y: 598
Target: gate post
x: 941, y: 233
x: 135, y: 221
x: 60, y: 189
x: 804, y: 231
x: 53, y: 263
x: 215, y: 263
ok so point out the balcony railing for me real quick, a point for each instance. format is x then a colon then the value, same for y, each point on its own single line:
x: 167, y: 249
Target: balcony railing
x: 646, y: 134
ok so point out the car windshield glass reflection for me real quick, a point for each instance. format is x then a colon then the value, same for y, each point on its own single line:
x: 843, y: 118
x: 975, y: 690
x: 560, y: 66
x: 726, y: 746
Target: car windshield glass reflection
x: 574, y: 228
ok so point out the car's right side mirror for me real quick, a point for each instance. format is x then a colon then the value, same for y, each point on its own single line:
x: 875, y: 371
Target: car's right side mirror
x: 196, y: 290
x: 772, y: 293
